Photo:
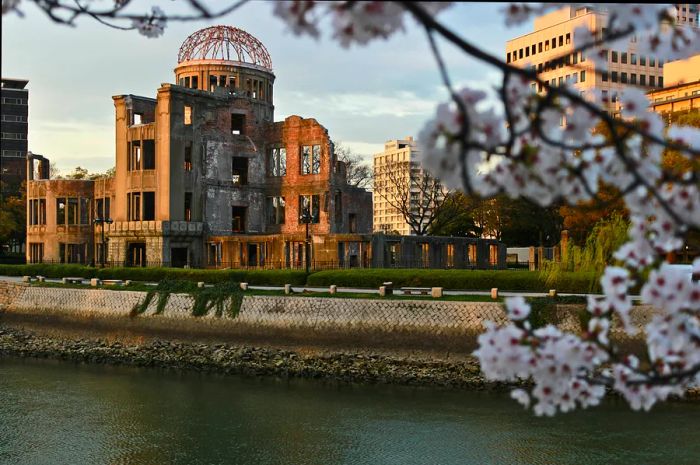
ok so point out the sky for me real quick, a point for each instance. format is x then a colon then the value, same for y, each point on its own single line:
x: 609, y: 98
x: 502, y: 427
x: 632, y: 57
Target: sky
x: 364, y: 96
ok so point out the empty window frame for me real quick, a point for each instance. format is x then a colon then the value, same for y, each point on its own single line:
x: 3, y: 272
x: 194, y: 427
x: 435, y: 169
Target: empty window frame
x: 642, y: 60
x: 238, y: 218
x: 239, y: 171
x: 61, y: 211
x: 277, y: 161
x: 275, y: 207
x: 652, y: 81
x: 149, y: 206
x: 642, y: 79
x: 149, y: 155
x: 36, y: 252
x: 310, y: 204
x: 237, y: 124
x: 188, y: 206
x: 614, y: 57
x: 352, y: 223
x: 311, y: 159
x: 188, y: 156
x: 37, y: 211
x: 623, y: 78
x: 613, y: 76
x: 633, y: 58
x: 652, y: 61
x: 84, y: 211
x: 102, y: 208
x: 133, y: 206
x: 134, y: 160
x: 623, y: 58
x: 72, y: 211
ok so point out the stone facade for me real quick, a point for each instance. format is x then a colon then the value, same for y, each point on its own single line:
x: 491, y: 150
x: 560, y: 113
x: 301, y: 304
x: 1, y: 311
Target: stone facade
x: 205, y: 159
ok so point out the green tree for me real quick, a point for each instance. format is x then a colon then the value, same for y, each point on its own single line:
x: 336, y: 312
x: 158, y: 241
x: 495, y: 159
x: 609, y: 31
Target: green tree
x: 454, y: 218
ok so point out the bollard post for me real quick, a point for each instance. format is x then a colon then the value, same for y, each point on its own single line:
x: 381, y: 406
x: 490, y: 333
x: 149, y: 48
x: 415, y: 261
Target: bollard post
x: 287, y: 288
x: 94, y: 282
x: 382, y: 291
x: 200, y: 284
x: 494, y: 293
x: 436, y: 292
x: 333, y: 289
x: 552, y: 293
x: 244, y: 286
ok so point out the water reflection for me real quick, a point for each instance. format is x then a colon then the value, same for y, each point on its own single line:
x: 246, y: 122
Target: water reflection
x: 62, y: 413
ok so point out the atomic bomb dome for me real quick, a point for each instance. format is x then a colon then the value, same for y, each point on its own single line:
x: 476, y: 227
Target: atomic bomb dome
x: 226, y: 58
x: 225, y: 43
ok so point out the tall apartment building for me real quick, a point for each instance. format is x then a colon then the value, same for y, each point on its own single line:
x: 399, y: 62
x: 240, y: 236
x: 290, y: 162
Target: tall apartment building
x: 688, y: 13
x: 13, y: 141
x: 397, y: 180
x: 549, y: 51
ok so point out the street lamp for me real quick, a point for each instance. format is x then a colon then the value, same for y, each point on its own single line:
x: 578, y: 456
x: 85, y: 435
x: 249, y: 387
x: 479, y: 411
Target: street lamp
x: 306, y: 218
x: 103, y: 248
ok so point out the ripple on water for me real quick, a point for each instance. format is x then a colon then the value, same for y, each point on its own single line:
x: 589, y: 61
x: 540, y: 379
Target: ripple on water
x: 63, y: 413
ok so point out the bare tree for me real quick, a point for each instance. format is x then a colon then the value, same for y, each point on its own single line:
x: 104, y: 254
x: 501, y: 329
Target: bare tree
x: 358, y: 172
x: 410, y: 191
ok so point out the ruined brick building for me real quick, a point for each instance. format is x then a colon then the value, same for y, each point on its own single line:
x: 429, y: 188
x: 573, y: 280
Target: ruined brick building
x: 206, y: 177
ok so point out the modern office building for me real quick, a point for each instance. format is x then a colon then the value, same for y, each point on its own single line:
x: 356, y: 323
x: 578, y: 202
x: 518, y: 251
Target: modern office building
x: 688, y: 13
x: 549, y: 50
x: 13, y: 140
x: 682, y: 91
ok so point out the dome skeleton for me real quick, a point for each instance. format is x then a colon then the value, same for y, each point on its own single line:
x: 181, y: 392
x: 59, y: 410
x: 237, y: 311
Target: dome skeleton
x: 224, y: 43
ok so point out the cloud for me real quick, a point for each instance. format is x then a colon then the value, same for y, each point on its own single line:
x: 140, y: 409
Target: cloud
x: 398, y: 104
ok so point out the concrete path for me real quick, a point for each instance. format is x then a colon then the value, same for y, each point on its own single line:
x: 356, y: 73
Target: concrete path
x: 355, y: 290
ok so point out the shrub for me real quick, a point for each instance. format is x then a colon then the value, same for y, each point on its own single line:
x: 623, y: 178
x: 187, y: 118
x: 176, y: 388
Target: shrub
x: 483, y: 280
x: 259, y: 277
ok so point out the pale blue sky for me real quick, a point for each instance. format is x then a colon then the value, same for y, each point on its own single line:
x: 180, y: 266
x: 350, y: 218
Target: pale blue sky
x: 364, y: 95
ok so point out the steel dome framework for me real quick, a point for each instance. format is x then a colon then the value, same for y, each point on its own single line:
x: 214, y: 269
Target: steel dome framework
x: 224, y: 43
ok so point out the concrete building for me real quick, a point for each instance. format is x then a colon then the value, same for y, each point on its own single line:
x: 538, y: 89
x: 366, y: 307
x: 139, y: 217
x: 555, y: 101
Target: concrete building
x: 688, y: 13
x: 549, y: 51
x: 398, y: 179
x: 13, y: 140
x: 682, y: 91
x: 204, y: 176
x: 202, y: 164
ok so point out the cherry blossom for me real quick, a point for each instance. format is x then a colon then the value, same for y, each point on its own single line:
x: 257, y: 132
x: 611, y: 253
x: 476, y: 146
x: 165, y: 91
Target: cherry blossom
x: 152, y: 26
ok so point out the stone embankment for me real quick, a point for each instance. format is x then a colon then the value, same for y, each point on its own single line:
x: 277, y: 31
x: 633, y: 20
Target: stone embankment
x: 232, y: 359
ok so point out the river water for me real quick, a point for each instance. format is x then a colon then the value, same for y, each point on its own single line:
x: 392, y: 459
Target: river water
x: 62, y: 413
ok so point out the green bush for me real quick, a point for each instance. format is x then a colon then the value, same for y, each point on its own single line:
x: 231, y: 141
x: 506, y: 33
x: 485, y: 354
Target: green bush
x: 50, y: 271
x: 505, y: 280
x: 256, y: 277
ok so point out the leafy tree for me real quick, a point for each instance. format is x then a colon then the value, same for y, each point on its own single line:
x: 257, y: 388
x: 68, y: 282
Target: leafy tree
x: 454, y: 218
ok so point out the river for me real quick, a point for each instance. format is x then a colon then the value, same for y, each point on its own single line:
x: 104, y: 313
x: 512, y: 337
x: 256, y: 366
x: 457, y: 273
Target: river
x: 62, y: 413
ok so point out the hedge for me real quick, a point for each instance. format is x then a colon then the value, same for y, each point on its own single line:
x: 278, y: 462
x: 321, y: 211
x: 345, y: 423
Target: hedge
x: 258, y: 277
x: 506, y: 280
x: 481, y: 280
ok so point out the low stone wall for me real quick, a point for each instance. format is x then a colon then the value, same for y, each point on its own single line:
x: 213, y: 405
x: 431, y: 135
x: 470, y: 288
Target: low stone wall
x: 373, y: 323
